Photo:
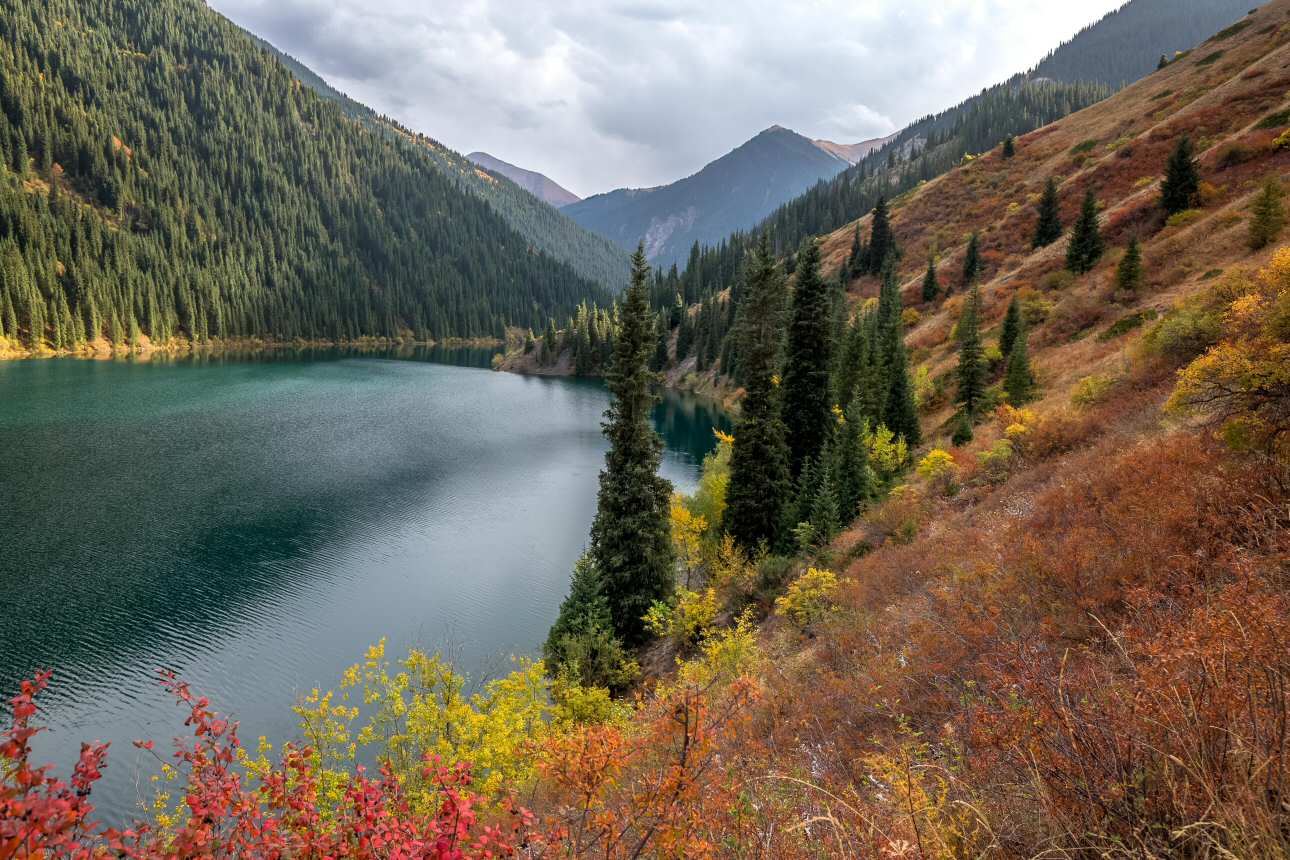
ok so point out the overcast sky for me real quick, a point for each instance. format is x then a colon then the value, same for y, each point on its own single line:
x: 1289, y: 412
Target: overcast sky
x: 600, y: 94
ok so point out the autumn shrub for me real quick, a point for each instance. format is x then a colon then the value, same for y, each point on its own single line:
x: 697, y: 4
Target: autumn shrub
x: 808, y: 598
x: 684, y: 619
x: 901, y: 515
x: 1091, y: 390
x: 1185, y: 218
x: 997, y: 460
x: 1075, y: 313
x: 940, y: 472
x: 1185, y: 331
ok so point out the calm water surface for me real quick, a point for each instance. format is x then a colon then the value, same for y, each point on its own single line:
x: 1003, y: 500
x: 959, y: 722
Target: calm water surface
x: 255, y: 525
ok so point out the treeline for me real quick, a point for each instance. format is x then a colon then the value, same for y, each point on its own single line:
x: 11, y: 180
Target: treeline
x: 161, y: 175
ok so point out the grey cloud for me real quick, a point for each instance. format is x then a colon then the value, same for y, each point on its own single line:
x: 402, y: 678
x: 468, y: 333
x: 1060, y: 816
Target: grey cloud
x: 603, y: 94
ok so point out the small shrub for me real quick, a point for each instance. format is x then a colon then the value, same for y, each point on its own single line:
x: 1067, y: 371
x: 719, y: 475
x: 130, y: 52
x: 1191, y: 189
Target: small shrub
x: 1126, y: 324
x: 1184, y: 218
x: 1184, y: 333
x: 1058, y: 281
x: 1090, y: 390
x: 1035, y: 309
x: 686, y: 618
x: 996, y: 460
x: 809, y: 598
x: 1274, y: 120
x: 940, y: 471
x: 1083, y: 147
x: 1075, y: 313
x: 1233, y: 155
x: 1209, y: 59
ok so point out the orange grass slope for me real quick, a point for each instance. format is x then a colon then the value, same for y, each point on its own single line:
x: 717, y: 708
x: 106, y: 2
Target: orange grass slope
x: 1074, y: 643
x: 1219, y: 94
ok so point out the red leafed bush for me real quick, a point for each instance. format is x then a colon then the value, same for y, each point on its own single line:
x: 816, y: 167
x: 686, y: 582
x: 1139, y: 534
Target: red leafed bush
x: 41, y: 816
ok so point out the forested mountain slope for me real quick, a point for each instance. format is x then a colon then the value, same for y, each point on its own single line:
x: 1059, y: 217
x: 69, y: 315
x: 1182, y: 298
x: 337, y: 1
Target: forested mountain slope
x: 932, y: 145
x: 161, y: 176
x: 590, y: 255
x: 729, y: 194
x: 1128, y: 43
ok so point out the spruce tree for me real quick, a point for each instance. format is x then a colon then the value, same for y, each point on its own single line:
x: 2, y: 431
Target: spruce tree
x: 1086, y: 244
x: 823, y: 515
x: 809, y: 361
x: 1011, y: 327
x: 931, y: 287
x: 1267, y: 215
x: 1180, y: 189
x: 1164, y: 61
x: 1049, y: 228
x: 760, y: 483
x: 971, y: 369
x: 962, y: 430
x: 882, y: 242
x: 1009, y: 147
x: 856, y: 261
x: 1019, y: 380
x: 899, y: 410
x: 971, y: 261
x: 630, y: 538
x: 852, y: 465
x: 1128, y: 274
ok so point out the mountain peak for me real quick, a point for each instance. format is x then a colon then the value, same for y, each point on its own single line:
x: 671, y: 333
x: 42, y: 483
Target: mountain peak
x: 540, y: 186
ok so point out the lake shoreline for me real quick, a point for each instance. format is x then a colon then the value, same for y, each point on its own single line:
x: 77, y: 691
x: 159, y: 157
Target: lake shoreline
x: 103, y: 350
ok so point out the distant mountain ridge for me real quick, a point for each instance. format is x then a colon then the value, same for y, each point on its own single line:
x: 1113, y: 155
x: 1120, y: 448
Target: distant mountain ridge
x: 539, y: 185
x: 732, y: 193
x: 587, y: 253
x: 853, y: 153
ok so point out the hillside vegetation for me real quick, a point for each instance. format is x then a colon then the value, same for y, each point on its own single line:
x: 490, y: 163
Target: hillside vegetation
x: 162, y: 177
x: 1055, y: 629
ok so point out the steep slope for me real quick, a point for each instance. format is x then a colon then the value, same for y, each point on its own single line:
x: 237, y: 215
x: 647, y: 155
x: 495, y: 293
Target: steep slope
x: 852, y: 153
x: 934, y: 144
x: 1126, y: 44
x: 591, y: 256
x: 732, y: 193
x: 540, y: 186
x: 165, y: 178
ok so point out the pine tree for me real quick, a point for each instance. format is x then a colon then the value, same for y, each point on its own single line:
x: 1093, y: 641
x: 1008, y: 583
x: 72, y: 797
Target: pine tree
x: 882, y: 242
x: 549, y: 341
x: 1164, y: 61
x: 852, y: 465
x: 899, y: 410
x: 971, y: 369
x: 1267, y: 215
x: 971, y: 261
x: 810, y: 359
x: 1011, y: 327
x: 1180, y: 189
x: 823, y: 515
x: 1049, y: 228
x: 856, y: 260
x: 962, y: 430
x: 760, y: 482
x: 630, y: 537
x: 1009, y: 147
x: 931, y: 287
x: 1086, y: 244
x: 1128, y: 274
x: 1019, y: 380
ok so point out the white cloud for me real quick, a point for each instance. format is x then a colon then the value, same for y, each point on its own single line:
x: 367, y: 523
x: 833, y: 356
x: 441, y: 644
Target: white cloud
x: 601, y: 94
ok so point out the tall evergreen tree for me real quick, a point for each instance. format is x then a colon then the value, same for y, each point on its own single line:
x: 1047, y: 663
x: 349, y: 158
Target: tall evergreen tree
x: 1019, y: 380
x: 882, y: 242
x: 852, y: 465
x: 1180, y: 189
x: 1009, y: 146
x: 630, y: 538
x: 1267, y: 215
x: 856, y: 260
x: 1049, y: 227
x: 899, y: 410
x: 760, y: 482
x: 1011, y: 327
x: 971, y: 369
x: 1086, y: 245
x: 972, y: 261
x: 807, y: 411
x: 931, y: 287
x: 1128, y: 274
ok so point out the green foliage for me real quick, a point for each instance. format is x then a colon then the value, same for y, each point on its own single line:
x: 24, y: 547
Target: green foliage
x: 810, y: 357
x: 971, y: 366
x: 202, y: 193
x: 1012, y: 323
x: 1083, y: 147
x: 1019, y: 379
x: 1009, y: 146
x: 630, y: 539
x: 882, y: 242
x: 851, y: 466
x: 971, y: 261
x: 1267, y: 215
x: 1126, y: 324
x: 931, y: 287
x: 684, y: 619
x: 1086, y: 245
x: 760, y: 481
x: 581, y: 644
x: 962, y: 430
x: 1049, y: 227
x: 1091, y: 390
x: 940, y: 471
x: 1273, y: 120
x: 1128, y: 274
x: 1180, y: 189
